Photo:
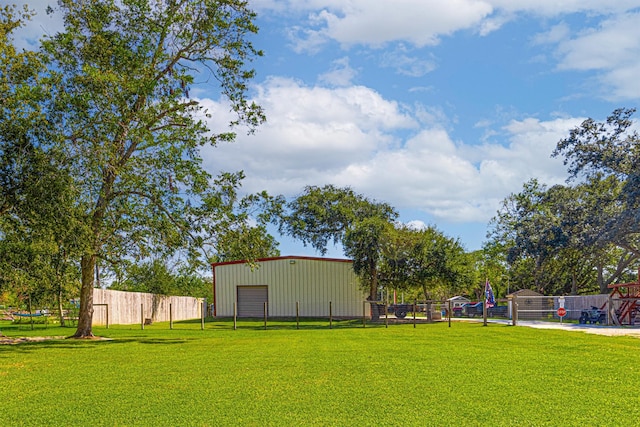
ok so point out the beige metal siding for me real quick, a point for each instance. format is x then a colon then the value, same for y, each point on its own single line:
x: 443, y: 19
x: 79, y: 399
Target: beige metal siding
x: 313, y: 283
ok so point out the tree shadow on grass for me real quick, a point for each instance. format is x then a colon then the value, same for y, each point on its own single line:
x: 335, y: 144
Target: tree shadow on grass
x: 22, y: 345
x: 304, y: 323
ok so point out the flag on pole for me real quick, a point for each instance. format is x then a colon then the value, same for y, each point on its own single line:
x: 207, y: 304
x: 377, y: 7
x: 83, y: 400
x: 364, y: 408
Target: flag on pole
x: 489, y: 299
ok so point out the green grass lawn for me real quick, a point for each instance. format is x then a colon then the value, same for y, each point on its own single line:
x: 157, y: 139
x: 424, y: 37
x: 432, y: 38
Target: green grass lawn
x: 430, y: 375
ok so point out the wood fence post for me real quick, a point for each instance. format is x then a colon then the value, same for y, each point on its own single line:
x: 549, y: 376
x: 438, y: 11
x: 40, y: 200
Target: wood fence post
x: 364, y: 313
x: 386, y: 315
x: 484, y: 311
x: 30, y: 313
x: 202, y: 308
x: 330, y: 316
x: 415, y: 307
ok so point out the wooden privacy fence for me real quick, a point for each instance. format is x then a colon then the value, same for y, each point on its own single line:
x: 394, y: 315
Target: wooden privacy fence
x: 128, y: 308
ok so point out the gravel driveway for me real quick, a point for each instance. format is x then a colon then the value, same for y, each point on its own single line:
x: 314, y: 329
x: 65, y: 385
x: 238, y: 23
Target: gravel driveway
x: 589, y: 329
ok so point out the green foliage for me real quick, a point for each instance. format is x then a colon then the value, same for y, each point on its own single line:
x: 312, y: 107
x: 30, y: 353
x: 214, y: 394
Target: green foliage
x: 576, y: 238
x: 231, y: 227
x: 464, y: 375
x: 157, y: 278
x: 247, y: 243
x: 609, y: 152
x: 326, y: 214
x: 529, y: 229
x: 132, y: 132
x: 339, y: 215
x: 110, y: 95
x: 609, y: 147
x: 424, y: 260
x: 363, y: 243
x: 385, y: 254
x: 41, y: 227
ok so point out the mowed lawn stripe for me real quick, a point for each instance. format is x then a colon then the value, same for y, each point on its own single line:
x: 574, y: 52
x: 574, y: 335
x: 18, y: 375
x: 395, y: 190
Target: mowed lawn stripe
x: 430, y: 375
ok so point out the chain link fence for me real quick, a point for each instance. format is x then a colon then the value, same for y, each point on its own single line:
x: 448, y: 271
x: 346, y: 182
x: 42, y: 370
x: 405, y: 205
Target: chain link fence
x: 573, y: 308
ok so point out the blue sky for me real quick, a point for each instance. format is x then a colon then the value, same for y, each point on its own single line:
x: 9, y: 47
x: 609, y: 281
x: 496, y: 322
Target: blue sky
x: 441, y: 108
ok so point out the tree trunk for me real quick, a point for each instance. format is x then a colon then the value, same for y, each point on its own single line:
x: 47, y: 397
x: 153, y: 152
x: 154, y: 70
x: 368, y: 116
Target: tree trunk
x: 98, y: 275
x: 156, y: 299
x: 373, y: 290
x: 30, y: 312
x: 601, y: 283
x: 60, y: 308
x: 85, y: 317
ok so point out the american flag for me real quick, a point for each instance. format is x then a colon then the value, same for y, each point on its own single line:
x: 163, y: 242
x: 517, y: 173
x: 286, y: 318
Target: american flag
x: 489, y: 299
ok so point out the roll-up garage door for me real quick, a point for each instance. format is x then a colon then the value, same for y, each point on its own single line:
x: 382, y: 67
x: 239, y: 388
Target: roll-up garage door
x: 251, y: 300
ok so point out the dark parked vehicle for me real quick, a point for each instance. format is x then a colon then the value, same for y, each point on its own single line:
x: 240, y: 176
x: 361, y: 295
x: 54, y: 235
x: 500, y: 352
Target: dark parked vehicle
x: 593, y: 316
x: 401, y: 310
x: 475, y: 309
x: 498, y: 311
x: 458, y: 311
x: 470, y: 309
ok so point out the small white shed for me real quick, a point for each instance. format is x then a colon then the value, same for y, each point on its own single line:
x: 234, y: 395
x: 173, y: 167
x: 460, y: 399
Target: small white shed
x: 284, y: 283
x: 458, y: 301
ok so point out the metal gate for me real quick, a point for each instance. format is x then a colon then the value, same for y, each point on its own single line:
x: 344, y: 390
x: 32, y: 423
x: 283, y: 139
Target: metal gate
x: 545, y: 308
x: 251, y: 300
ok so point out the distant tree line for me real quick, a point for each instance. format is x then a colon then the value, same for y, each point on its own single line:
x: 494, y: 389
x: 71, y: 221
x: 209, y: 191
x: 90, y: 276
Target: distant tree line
x: 580, y: 237
x: 386, y: 254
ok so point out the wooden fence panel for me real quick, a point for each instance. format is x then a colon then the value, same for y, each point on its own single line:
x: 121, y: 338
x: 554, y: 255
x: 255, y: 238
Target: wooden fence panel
x: 124, y: 307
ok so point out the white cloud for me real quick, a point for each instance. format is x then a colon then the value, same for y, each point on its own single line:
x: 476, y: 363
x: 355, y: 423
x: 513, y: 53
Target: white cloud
x: 408, y: 63
x: 556, y: 34
x: 531, y: 143
x: 549, y: 8
x: 494, y: 22
x: 41, y: 24
x: 423, y: 22
x: 458, y: 182
x: 375, y: 23
x: 341, y: 73
x: 311, y: 135
x: 615, y: 42
x: 622, y: 83
x: 345, y: 136
x: 612, y: 50
x: 428, y: 173
x: 417, y: 225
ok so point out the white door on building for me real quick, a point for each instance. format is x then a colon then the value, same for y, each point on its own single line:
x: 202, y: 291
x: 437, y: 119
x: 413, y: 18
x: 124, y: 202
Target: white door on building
x: 251, y: 300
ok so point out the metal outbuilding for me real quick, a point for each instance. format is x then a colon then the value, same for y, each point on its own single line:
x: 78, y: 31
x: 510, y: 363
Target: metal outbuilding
x: 287, y: 284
